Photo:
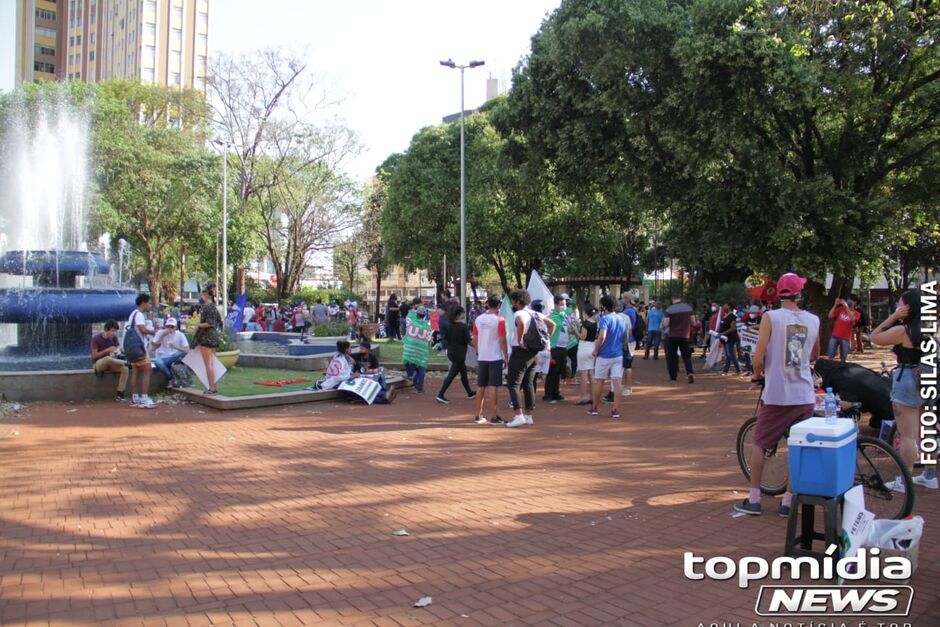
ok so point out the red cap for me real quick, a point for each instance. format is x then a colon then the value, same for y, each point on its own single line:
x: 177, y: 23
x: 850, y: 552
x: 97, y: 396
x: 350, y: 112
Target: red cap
x: 790, y: 284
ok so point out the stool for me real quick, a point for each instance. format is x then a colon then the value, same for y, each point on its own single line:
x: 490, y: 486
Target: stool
x: 804, y: 507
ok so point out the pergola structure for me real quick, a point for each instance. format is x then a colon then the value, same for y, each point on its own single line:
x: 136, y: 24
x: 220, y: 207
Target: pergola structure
x: 591, y: 288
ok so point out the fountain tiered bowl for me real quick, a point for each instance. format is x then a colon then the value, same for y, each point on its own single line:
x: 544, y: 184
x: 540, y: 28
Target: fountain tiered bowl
x: 53, y: 317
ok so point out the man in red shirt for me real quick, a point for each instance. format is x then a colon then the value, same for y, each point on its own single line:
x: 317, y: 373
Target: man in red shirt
x: 103, y: 347
x: 844, y: 321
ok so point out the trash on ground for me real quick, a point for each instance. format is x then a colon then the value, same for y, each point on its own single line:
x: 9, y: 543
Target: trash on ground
x: 400, y: 532
x: 424, y: 602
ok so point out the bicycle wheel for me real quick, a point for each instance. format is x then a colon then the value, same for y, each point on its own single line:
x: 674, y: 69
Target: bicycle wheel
x: 877, y: 466
x: 776, y: 472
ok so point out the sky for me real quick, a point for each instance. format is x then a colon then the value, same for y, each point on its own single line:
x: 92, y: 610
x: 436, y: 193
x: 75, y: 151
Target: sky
x: 384, y: 55
x: 7, y: 45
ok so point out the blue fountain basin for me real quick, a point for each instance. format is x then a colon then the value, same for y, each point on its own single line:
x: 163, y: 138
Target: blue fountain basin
x: 33, y: 262
x: 27, y: 305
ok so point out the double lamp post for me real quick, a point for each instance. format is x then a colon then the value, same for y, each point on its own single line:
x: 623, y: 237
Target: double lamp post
x: 461, y: 286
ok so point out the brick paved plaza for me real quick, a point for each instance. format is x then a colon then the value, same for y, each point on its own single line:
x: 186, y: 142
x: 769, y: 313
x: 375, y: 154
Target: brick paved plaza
x: 185, y: 515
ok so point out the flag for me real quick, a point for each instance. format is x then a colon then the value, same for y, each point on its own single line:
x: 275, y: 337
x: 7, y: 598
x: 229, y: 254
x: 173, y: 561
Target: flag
x: 237, y: 313
x: 505, y: 310
x: 416, y: 343
x: 539, y: 291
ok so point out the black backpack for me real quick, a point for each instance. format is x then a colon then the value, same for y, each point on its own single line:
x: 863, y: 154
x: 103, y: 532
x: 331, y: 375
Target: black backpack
x: 639, y: 329
x: 536, y: 336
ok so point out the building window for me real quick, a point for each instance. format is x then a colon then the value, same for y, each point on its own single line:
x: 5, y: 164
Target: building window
x: 150, y: 53
x: 176, y: 78
x: 203, y: 22
x: 91, y: 55
x: 150, y: 11
x: 44, y: 14
x: 147, y: 74
x: 150, y: 32
x: 177, y: 16
x: 78, y: 40
x: 48, y: 33
x: 44, y: 67
x: 176, y: 61
x: 177, y: 39
x: 202, y: 46
x: 200, y: 83
x: 92, y: 36
x: 201, y: 63
x: 44, y: 50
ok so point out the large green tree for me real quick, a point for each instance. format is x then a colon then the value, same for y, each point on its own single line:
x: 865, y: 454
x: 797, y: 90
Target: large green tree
x: 158, y: 185
x: 780, y: 134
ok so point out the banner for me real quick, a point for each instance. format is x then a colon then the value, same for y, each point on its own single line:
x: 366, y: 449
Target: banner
x: 366, y: 389
x: 749, y: 339
x: 416, y: 344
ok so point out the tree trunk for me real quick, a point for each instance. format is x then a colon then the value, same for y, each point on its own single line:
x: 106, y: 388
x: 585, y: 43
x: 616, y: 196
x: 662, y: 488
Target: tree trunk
x: 378, y: 287
x: 182, y: 274
x: 818, y: 302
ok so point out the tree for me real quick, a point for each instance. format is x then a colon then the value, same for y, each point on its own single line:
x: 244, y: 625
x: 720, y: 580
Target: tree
x: 777, y: 135
x: 346, y: 258
x: 158, y: 183
x: 516, y: 219
x: 370, y: 235
x: 259, y: 99
x: 305, y: 204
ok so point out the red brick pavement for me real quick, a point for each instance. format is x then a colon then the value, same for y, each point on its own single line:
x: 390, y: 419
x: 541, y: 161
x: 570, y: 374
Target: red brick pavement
x: 186, y: 516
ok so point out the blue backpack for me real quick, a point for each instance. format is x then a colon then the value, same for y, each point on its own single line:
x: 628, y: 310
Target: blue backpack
x: 133, y: 345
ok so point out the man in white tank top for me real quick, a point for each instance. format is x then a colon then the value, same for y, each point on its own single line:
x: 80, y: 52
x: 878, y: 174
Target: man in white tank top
x: 788, y: 343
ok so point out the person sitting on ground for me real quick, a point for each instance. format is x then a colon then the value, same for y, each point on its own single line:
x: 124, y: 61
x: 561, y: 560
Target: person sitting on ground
x: 341, y: 368
x: 104, y: 347
x: 367, y: 364
x: 170, y: 346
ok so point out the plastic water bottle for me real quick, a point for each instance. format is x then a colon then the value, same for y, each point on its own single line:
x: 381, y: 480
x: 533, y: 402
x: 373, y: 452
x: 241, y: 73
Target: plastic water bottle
x: 832, y: 407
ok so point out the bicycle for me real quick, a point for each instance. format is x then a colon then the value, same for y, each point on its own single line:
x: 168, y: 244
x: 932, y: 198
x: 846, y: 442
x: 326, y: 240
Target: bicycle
x: 876, y: 466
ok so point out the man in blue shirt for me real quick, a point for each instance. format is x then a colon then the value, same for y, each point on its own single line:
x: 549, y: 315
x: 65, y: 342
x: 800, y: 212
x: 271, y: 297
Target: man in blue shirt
x: 608, y: 354
x: 654, y: 330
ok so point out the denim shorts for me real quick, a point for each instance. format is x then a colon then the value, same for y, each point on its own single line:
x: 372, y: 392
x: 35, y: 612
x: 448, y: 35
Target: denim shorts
x: 905, y: 387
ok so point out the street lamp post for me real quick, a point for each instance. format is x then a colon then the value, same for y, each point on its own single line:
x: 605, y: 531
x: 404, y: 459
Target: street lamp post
x: 461, y: 284
x: 224, y: 288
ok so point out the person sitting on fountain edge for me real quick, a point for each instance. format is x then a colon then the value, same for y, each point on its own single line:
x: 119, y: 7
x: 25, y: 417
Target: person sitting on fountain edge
x: 367, y: 363
x: 103, y: 347
x: 170, y: 346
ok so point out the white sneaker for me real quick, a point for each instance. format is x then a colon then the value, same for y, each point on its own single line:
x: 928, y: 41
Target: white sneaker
x: 924, y: 482
x: 897, y: 485
x: 145, y: 403
x: 627, y: 391
x: 518, y: 421
x: 528, y: 420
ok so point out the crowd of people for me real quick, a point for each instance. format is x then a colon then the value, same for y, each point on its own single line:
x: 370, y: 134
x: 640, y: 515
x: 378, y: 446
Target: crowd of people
x: 549, y: 343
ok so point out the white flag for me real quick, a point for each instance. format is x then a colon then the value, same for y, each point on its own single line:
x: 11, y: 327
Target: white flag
x: 539, y: 291
x: 505, y: 310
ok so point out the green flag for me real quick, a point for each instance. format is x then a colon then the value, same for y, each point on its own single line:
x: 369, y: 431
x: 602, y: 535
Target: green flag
x: 416, y: 346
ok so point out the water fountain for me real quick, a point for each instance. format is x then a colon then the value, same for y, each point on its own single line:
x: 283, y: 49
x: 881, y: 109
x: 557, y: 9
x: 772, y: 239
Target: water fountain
x: 52, y: 289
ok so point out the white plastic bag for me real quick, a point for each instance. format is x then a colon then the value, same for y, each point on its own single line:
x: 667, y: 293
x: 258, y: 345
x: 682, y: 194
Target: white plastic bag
x: 900, y: 535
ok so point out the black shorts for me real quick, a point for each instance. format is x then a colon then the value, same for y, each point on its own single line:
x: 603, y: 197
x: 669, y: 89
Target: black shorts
x: 627, y: 361
x: 490, y: 374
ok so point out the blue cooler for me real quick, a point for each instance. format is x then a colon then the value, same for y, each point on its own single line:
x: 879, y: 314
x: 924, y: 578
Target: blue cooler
x: 822, y: 456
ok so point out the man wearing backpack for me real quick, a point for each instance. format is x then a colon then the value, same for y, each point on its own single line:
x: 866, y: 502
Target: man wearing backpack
x: 608, y: 354
x: 140, y: 375
x: 533, y: 331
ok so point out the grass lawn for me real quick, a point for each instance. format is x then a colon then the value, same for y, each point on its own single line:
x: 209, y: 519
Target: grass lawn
x: 239, y: 381
x: 390, y: 353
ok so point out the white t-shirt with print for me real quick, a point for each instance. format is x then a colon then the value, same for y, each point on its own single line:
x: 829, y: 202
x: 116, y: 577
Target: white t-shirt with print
x: 489, y: 329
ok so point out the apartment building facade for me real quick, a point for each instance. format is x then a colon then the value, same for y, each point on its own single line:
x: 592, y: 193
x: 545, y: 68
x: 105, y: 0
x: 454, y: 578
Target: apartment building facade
x: 156, y: 41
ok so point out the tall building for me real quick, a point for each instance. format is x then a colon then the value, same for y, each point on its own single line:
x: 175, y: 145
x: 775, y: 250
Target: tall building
x: 156, y: 41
